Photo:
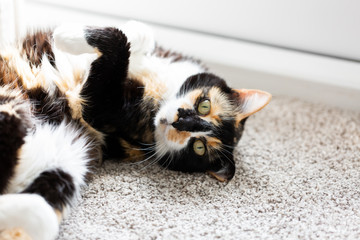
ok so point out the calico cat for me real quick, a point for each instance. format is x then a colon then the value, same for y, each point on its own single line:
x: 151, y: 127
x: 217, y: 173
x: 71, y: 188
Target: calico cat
x: 70, y: 96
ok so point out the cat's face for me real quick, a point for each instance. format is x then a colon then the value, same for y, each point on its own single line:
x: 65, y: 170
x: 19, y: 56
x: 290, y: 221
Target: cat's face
x: 197, y: 130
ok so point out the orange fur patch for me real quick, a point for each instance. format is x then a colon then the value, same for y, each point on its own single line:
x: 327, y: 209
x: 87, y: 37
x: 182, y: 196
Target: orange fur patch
x: 176, y: 117
x: 186, y: 106
x: 194, y: 95
x: 58, y: 215
x: 213, y: 142
x: 218, y: 177
x: 177, y: 136
x: 153, y: 88
x: 132, y: 153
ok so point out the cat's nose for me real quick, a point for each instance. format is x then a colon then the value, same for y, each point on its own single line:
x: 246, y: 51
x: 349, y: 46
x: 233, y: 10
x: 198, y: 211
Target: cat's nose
x: 192, y: 124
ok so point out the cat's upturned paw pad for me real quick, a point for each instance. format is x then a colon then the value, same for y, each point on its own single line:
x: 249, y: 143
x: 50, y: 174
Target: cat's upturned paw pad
x: 14, y: 234
x: 140, y: 36
x: 27, y: 215
x: 71, y: 39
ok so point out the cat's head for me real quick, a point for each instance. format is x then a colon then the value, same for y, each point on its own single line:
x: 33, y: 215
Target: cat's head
x: 197, y: 130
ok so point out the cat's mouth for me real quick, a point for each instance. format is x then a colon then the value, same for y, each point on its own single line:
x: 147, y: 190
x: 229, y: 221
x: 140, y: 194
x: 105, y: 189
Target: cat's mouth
x: 170, y: 136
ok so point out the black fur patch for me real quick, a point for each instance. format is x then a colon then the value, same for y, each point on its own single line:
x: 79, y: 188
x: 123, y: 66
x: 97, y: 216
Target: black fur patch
x: 239, y: 131
x: 189, y: 121
x: 36, y: 45
x: 50, y: 108
x: 55, y: 186
x: 103, y: 89
x: 12, y: 134
x: 203, y: 80
x: 113, y: 149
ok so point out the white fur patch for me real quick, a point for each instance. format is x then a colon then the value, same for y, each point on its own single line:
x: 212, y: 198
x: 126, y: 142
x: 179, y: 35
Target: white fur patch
x: 71, y: 39
x: 29, y: 212
x: 140, y: 36
x: 48, y: 148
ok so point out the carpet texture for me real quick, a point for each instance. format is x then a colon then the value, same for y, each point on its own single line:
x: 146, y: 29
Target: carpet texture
x: 298, y: 177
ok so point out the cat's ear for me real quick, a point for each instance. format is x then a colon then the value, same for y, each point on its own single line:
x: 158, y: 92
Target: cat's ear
x: 250, y: 101
x: 226, y: 172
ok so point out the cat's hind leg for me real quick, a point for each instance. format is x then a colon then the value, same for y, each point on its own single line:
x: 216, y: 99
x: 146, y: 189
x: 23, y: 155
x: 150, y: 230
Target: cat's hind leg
x: 71, y: 39
x: 20, y: 214
x: 140, y: 36
x: 76, y: 39
x: 27, y: 216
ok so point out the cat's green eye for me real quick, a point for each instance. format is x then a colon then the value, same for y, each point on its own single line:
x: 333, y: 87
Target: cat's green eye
x: 199, y: 147
x: 204, y: 107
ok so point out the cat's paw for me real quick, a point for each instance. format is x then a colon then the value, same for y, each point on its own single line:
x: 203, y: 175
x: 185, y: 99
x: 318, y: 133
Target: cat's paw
x: 27, y: 215
x: 140, y: 36
x: 14, y: 234
x: 72, y: 39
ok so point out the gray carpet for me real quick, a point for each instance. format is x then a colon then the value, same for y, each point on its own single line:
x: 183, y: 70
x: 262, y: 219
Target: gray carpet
x: 298, y: 177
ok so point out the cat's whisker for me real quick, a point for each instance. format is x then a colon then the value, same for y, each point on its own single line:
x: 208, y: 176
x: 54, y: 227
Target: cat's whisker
x: 231, y: 161
x: 161, y: 149
x: 217, y: 154
x: 232, y: 147
x: 225, y: 150
x: 144, y: 149
x: 167, y: 159
x: 153, y: 153
x: 170, y: 160
x: 147, y: 144
x: 167, y: 162
x: 146, y: 159
x: 151, y: 163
